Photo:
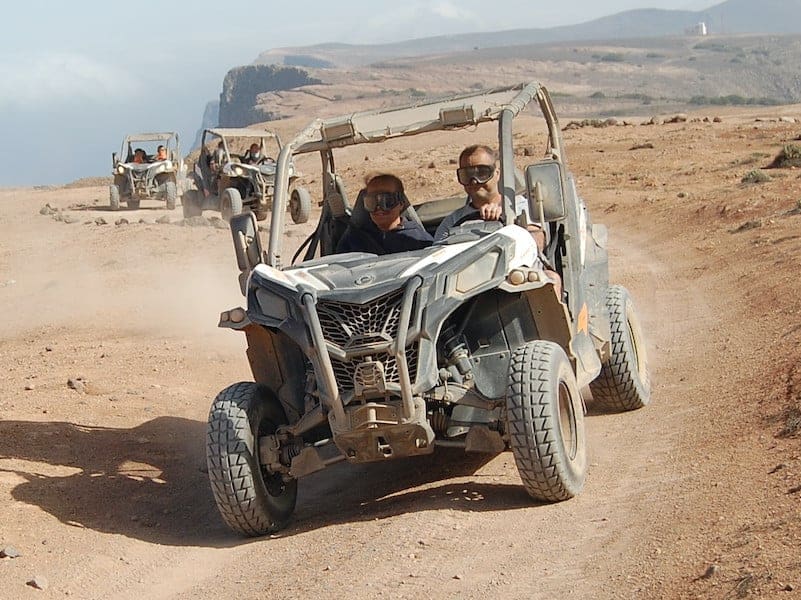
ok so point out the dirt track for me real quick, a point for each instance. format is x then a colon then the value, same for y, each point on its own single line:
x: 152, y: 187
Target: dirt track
x: 104, y: 492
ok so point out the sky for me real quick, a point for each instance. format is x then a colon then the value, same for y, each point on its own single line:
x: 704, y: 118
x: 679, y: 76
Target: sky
x: 76, y: 77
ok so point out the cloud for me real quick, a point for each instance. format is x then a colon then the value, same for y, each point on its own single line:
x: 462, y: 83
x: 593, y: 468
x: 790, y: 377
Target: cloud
x: 420, y: 19
x: 40, y: 80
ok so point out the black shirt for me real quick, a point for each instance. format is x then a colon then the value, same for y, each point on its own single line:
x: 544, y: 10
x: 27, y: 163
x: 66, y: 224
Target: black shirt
x: 369, y: 238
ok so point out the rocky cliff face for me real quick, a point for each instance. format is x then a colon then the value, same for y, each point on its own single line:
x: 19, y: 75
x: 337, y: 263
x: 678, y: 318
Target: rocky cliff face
x: 242, y: 85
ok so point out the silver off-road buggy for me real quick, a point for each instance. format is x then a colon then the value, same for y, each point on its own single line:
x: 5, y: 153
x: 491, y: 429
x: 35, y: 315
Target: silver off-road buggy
x: 141, y: 174
x: 360, y: 358
x: 228, y: 179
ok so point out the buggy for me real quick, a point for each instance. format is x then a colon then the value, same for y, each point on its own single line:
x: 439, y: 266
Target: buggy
x: 227, y: 181
x: 151, y: 177
x: 363, y: 358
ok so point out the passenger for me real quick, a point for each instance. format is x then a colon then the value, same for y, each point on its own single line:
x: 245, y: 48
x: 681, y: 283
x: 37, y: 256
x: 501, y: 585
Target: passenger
x: 253, y: 155
x: 479, y: 174
x: 161, y: 153
x: 387, y: 231
x: 139, y: 156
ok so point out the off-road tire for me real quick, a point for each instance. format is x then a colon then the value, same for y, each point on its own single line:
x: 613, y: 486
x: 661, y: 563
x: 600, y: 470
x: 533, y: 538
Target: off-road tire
x: 300, y: 205
x: 545, y: 421
x: 252, y: 500
x: 624, y: 383
x: 133, y: 203
x: 114, y: 197
x: 190, y: 204
x: 170, y: 194
x: 230, y: 203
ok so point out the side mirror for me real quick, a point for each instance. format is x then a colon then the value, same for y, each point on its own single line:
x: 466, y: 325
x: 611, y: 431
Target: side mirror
x: 247, y: 243
x: 545, y: 193
x: 113, y: 159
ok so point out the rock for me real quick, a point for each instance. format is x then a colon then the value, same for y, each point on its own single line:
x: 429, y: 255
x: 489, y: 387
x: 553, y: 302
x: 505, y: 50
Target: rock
x: 30, y: 387
x: 645, y: 146
x: 198, y: 221
x: 77, y: 384
x: 711, y: 571
x: 100, y: 221
x: 748, y: 225
x: 121, y: 221
x: 787, y: 120
x: 611, y: 122
x: 707, y: 120
x: 218, y: 223
x: 144, y: 222
x: 38, y: 582
x: 69, y: 219
x: 9, y: 552
x: 47, y: 210
x: 58, y: 217
x: 789, y: 587
x: 717, y: 120
x: 529, y: 151
x: 432, y: 165
x: 48, y: 348
x: 165, y: 220
x: 679, y: 118
x: 457, y: 576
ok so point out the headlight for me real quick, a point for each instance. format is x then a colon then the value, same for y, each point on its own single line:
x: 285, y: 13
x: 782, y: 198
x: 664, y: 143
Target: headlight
x: 477, y: 273
x: 238, y: 171
x: 272, y: 305
x: 120, y: 169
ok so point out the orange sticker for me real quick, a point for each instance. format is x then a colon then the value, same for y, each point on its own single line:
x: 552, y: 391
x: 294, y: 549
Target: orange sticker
x: 583, y: 318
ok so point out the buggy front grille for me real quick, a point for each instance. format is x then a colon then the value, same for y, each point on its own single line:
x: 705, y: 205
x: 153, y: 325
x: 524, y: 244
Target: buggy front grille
x: 343, y: 322
x: 344, y: 371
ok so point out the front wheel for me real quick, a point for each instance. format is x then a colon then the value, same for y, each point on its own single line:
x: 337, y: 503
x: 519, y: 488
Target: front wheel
x: 231, y: 203
x: 623, y: 383
x: 251, y: 499
x: 300, y: 205
x: 545, y: 420
x: 190, y: 204
x: 170, y: 194
x: 114, y: 197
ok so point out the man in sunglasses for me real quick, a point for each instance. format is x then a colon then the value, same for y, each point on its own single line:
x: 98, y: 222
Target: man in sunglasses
x: 387, y: 230
x: 479, y: 174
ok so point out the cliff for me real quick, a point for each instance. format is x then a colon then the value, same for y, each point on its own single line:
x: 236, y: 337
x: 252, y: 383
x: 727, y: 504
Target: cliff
x: 242, y: 86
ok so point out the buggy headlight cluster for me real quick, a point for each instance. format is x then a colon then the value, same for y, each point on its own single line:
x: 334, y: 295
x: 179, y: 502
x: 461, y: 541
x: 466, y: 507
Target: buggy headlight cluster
x: 477, y: 273
x: 238, y: 171
x: 272, y: 305
x: 120, y: 169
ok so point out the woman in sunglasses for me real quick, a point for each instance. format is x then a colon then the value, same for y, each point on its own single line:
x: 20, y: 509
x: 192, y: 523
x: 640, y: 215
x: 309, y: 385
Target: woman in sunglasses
x: 387, y: 231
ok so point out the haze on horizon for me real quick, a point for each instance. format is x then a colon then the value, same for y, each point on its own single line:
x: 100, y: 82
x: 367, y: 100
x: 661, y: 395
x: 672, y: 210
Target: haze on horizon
x: 77, y: 77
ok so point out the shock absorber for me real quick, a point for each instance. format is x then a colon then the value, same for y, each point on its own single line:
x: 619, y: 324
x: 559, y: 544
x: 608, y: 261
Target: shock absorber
x: 457, y: 354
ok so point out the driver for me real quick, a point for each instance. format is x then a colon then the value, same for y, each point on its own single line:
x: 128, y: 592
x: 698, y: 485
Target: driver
x: 387, y: 231
x: 479, y: 174
x: 253, y: 155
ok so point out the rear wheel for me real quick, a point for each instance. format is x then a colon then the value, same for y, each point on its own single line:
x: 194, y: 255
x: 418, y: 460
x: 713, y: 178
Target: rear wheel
x: 623, y: 383
x: 114, y: 197
x: 231, y: 203
x: 300, y: 205
x: 251, y: 499
x: 545, y: 421
x: 190, y: 203
x: 170, y: 194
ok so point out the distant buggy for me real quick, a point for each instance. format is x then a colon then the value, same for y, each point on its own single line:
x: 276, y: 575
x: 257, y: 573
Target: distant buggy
x: 151, y: 177
x: 227, y: 181
x: 364, y: 358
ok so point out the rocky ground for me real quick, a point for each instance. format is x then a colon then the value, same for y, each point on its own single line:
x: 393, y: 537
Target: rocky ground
x: 111, y: 357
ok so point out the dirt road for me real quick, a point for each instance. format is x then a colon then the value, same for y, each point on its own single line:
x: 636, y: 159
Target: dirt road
x: 103, y: 489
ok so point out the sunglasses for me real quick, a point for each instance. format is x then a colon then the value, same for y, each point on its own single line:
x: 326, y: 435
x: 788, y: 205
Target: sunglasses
x: 477, y: 173
x: 382, y: 201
